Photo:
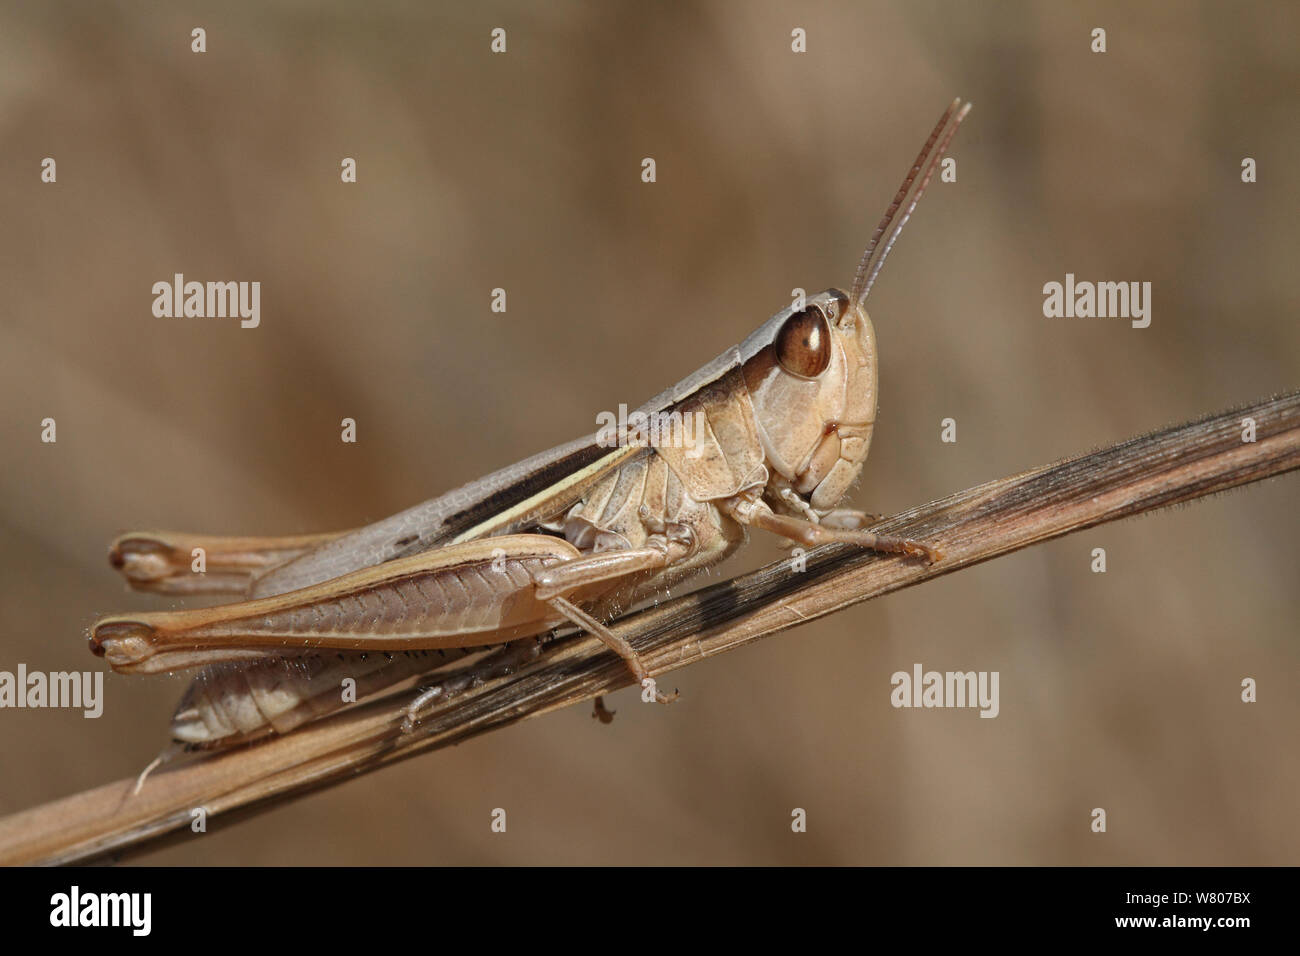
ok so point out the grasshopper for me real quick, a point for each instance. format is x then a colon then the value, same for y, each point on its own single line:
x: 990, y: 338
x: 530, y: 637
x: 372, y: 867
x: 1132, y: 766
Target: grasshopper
x: 567, y: 538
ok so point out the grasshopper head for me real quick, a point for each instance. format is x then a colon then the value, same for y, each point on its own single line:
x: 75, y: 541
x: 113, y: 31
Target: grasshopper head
x: 812, y: 371
x: 814, y: 394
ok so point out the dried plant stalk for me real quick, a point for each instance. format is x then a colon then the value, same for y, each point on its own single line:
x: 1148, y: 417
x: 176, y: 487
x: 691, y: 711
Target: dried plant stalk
x: 1143, y: 474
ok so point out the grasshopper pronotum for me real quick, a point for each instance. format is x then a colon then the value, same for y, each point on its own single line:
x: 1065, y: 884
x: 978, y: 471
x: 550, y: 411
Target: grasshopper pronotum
x: 567, y: 537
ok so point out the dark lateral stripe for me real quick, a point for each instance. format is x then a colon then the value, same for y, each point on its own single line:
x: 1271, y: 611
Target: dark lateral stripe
x: 524, y: 489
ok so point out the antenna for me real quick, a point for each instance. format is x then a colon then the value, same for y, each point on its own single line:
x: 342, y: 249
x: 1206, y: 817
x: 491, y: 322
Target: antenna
x: 863, y: 280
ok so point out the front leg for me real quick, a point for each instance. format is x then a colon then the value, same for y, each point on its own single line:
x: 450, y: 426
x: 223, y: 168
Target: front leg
x: 757, y: 514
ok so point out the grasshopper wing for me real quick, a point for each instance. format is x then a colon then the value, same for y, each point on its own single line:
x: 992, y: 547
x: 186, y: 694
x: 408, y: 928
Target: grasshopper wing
x: 510, y: 499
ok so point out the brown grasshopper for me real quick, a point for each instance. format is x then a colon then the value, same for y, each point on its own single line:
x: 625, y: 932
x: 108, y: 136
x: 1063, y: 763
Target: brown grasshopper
x: 569, y: 537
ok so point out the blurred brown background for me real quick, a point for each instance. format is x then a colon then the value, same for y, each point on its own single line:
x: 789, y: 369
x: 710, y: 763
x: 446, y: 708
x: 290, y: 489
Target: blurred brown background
x: 523, y: 171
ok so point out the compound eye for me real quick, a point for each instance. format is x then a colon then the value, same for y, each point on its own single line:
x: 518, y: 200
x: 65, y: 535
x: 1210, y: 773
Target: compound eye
x: 803, y: 346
